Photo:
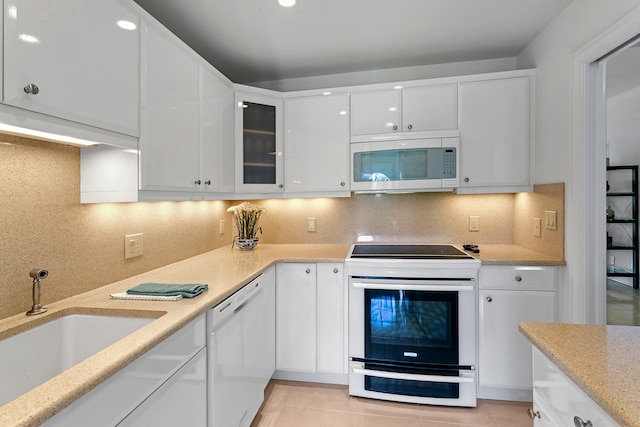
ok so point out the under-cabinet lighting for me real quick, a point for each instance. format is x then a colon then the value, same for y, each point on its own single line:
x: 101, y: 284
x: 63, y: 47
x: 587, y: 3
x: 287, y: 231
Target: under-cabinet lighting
x: 286, y: 3
x: 126, y: 25
x: 19, y: 131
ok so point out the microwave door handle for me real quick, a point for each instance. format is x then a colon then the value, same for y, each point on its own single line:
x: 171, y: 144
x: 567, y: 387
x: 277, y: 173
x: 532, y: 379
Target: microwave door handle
x: 415, y: 377
x: 453, y: 286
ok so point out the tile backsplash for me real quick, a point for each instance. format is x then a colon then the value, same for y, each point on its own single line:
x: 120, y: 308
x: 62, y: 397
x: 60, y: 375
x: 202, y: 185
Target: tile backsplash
x: 43, y: 224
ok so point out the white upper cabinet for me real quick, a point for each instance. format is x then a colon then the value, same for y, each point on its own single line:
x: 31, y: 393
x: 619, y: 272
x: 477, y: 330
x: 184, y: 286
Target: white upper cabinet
x: 376, y: 112
x: 259, y: 142
x: 412, y: 109
x: 495, y: 134
x: 74, y: 59
x: 317, y: 144
x: 185, y: 151
x: 216, y: 132
x: 169, y: 143
x: 430, y: 108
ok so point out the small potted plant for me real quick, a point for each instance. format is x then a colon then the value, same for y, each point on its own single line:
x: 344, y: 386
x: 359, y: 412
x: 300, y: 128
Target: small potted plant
x: 246, y: 217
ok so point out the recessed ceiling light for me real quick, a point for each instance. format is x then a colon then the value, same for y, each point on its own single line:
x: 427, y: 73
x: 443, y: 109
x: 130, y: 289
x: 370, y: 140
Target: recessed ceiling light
x: 286, y: 3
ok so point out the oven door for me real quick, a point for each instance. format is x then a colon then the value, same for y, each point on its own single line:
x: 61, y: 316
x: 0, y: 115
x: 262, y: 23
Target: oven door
x: 413, y: 340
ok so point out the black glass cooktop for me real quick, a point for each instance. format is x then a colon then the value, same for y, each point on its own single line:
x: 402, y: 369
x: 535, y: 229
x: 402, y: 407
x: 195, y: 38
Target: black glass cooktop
x: 408, y: 251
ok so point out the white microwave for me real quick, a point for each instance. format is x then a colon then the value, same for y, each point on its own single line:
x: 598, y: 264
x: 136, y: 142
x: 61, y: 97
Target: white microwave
x: 430, y: 164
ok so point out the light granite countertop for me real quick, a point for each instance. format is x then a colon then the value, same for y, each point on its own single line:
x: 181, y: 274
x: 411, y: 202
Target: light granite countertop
x: 515, y: 255
x: 225, y: 270
x: 601, y: 360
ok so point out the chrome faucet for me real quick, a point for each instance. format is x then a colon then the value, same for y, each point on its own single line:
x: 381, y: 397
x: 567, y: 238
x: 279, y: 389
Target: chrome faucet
x: 37, y: 275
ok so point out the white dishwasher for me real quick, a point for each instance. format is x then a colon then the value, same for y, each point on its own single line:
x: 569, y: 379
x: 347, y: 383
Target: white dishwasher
x: 241, y: 352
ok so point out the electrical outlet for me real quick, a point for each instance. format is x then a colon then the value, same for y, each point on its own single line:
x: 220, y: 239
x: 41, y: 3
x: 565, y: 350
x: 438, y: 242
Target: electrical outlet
x: 221, y: 227
x: 474, y: 223
x: 311, y: 224
x: 550, y: 220
x: 133, y: 245
x: 537, y: 227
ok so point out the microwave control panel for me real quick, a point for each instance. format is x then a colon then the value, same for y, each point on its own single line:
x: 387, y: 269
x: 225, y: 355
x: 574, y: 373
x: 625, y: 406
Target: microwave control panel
x: 449, y: 163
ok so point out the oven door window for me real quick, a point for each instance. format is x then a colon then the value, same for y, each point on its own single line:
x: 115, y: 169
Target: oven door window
x: 411, y: 326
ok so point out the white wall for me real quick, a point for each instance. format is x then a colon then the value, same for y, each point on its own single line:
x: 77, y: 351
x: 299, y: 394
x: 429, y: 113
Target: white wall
x: 552, y: 54
x: 390, y: 75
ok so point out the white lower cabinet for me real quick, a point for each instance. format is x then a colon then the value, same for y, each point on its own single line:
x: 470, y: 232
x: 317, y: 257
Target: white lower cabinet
x: 173, y: 371
x: 559, y: 402
x: 296, y: 317
x: 310, y: 328
x: 509, y: 295
x: 185, y: 391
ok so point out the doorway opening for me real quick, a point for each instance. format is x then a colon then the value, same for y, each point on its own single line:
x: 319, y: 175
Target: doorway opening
x: 620, y: 70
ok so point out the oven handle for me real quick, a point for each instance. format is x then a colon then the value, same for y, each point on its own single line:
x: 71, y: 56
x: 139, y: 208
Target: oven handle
x: 415, y: 377
x: 453, y: 286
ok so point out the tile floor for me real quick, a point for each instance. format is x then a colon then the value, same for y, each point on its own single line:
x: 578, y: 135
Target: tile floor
x: 310, y: 405
x: 623, y: 304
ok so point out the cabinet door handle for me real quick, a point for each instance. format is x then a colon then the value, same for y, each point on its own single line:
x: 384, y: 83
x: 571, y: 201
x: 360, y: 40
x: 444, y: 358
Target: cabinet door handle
x: 198, y: 182
x: 489, y: 299
x: 342, y: 184
x: 395, y: 127
x: 335, y: 270
x: 207, y: 182
x: 410, y: 127
x: 518, y: 279
x: 308, y: 270
x: 577, y: 421
x: 533, y: 415
x: 32, y: 89
x: 280, y: 186
x: 466, y: 180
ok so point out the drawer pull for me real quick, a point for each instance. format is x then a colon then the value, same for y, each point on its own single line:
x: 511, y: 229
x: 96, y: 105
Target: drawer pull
x: 577, y: 421
x: 518, y: 279
x: 533, y: 415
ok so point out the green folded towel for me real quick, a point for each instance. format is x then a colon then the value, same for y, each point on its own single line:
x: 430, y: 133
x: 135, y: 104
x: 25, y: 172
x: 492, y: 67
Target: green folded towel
x: 167, y: 289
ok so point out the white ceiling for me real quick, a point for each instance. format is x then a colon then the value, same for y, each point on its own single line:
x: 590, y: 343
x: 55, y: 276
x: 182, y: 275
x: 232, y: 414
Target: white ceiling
x: 257, y: 40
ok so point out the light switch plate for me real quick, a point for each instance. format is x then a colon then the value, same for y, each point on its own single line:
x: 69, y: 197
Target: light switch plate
x: 311, y: 224
x: 474, y: 223
x: 550, y: 220
x: 133, y: 245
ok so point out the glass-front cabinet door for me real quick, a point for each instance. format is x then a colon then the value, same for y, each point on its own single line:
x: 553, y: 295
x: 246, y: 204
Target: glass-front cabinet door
x: 259, y: 162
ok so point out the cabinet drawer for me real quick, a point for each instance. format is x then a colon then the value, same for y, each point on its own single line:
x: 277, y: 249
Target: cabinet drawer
x: 544, y: 416
x: 530, y: 278
x: 114, y: 399
x: 563, y: 397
